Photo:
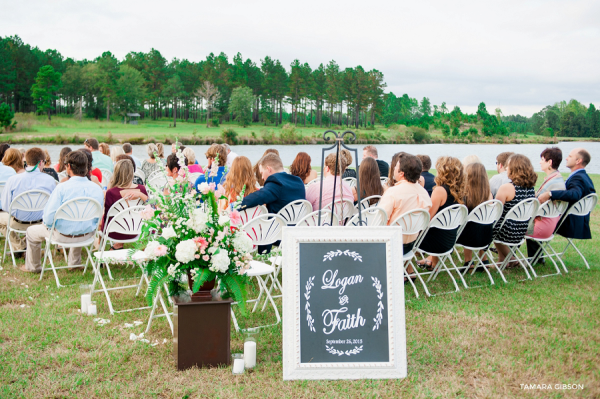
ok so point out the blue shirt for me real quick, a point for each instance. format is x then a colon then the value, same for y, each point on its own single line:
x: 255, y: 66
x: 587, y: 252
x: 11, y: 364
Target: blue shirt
x: 138, y: 163
x: 218, y: 179
x: 75, y: 187
x: 101, y: 161
x: 5, y: 173
x: 26, y: 181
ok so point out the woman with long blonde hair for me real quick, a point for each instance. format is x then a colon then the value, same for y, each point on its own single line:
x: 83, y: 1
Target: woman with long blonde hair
x: 240, y: 177
x: 449, y: 189
x: 121, y: 186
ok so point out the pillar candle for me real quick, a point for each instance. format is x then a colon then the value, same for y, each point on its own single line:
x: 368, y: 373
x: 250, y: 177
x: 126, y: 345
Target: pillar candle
x: 85, y: 301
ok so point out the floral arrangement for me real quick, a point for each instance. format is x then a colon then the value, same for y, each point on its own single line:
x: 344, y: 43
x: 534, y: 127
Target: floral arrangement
x: 186, y: 238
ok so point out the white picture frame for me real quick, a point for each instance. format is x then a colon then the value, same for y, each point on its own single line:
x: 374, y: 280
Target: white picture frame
x: 293, y: 369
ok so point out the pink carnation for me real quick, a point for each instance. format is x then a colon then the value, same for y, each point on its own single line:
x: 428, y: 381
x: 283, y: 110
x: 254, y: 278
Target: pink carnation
x: 235, y: 217
x: 161, y: 250
x: 201, y: 242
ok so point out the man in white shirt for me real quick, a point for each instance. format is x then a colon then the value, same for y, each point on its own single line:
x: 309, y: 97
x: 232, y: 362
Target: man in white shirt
x: 6, y: 172
x: 502, y: 177
x: 101, y: 161
x: 128, y: 150
x: 230, y: 155
x: 31, y: 179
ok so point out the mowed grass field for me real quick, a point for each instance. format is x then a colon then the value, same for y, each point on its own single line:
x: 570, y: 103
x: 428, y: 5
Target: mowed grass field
x: 480, y: 342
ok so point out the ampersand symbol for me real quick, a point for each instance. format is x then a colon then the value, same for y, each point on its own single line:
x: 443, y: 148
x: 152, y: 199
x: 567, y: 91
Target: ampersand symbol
x: 344, y: 300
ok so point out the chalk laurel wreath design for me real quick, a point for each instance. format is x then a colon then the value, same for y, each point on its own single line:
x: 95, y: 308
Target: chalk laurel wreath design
x: 332, y: 254
x: 309, y: 318
x: 379, y: 317
x: 333, y: 351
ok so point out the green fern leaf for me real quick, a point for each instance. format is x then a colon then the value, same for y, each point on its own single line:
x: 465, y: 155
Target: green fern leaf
x: 237, y: 288
x: 201, y: 278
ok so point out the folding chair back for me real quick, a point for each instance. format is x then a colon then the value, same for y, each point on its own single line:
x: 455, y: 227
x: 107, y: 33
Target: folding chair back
x: 584, y: 206
x: 552, y: 209
x: 366, y: 203
x: 522, y: 212
x: 62, y: 175
x: 313, y: 181
x: 488, y: 212
x: 295, y: 211
x: 140, y: 173
x: 451, y: 218
x: 250, y: 213
x: 265, y: 229
x: 194, y: 176
x: 158, y: 180
x: 343, y: 209
x: 312, y: 219
x: 413, y: 222
x: 384, y: 180
x: 122, y: 204
x: 374, y: 216
x: 351, y: 181
x: 106, y: 176
x: 128, y: 221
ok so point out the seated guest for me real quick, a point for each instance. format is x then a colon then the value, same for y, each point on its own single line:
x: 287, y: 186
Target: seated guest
x: 370, y: 151
x: 60, y: 166
x: 128, y: 150
x: 469, y: 159
x: 115, y: 152
x: 193, y: 167
x: 93, y: 174
x: 578, y: 185
x: 173, y: 168
x: 136, y: 179
x: 347, y: 171
x: 121, y: 186
x: 301, y: 168
x: 47, y: 168
x: 256, y: 170
x: 406, y: 195
x: 520, y: 171
x: 7, y: 171
x: 3, y: 148
x: 330, y: 177
x: 230, y: 155
x: 33, y: 179
x: 65, y: 231
x: 150, y: 165
x: 161, y: 152
x: 13, y: 159
x: 215, y: 171
x: 391, y: 176
x: 370, y: 181
x: 280, y: 188
x: 448, y: 191
x: 539, y: 227
x: 177, y: 146
x: 240, y: 177
x: 502, y: 177
x: 104, y: 148
x: 477, y: 191
x: 428, y: 178
x: 101, y: 161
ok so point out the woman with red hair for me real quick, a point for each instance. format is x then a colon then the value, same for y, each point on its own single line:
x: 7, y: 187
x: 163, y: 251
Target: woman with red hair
x: 301, y: 168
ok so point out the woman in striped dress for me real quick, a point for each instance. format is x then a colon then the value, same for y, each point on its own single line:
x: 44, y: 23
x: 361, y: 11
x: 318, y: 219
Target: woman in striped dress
x: 523, y: 177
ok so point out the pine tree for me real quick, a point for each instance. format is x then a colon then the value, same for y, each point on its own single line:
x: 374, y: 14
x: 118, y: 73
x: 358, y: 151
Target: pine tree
x: 44, y: 90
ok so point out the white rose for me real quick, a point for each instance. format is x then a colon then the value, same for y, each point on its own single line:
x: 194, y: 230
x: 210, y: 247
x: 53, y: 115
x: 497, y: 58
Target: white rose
x: 223, y: 219
x: 220, y: 262
x: 242, y: 243
x: 151, y: 248
x: 168, y: 232
x: 204, y: 188
x: 185, y: 251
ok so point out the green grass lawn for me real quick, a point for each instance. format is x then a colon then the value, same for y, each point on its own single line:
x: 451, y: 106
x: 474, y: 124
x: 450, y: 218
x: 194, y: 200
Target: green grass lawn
x: 481, y: 342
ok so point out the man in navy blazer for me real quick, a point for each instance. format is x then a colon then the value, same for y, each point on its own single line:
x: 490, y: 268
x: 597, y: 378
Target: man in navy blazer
x: 280, y: 188
x: 578, y: 185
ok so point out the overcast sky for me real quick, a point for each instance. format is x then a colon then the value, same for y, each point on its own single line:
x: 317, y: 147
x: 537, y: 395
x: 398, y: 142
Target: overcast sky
x: 517, y: 55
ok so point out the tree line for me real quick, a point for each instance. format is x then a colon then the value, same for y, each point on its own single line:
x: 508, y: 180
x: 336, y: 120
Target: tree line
x: 218, y: 89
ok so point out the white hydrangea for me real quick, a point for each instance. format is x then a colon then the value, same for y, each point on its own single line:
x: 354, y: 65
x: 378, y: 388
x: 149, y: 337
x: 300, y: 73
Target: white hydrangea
x: 242, y: 243
x: 223, y: 219
x: 197, y: 221
x: 220, y: 262
x: 185, y: 251
x: 168, y: 232
x: 171, y: 270
x: 150, y: 250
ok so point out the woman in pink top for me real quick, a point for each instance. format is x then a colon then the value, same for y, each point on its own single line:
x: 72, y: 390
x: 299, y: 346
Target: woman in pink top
x: 342, y: 189
x: 193, y: 167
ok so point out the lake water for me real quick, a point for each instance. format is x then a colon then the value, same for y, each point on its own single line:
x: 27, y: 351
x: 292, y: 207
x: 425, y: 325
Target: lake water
x: 486, y: 152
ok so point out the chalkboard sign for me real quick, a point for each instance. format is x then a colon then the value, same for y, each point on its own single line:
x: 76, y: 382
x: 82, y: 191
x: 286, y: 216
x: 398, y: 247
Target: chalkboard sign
x: 343, y: 303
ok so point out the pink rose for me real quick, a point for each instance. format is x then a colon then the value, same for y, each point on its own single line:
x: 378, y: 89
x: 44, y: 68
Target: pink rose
x: 197, y: 256
x: 235, y: 217
x: 206, y: 258
x: 161, y: 250
x: 201, y: 242
x: 147, y: 213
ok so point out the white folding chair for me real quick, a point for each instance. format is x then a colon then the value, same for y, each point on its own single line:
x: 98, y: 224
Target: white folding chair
x: 158, y: 180
x: 351, y: 181
x: 374, y: 216
x: 106, y: 176
x: 583, y: 207
x: 114, y: 210
x: 312, y: 219
x: 413, y: 222
x: 549, y: 209
x: 194, y: 176
x: 366, y: 203
x: 248, y: 214
x: 448, y: 220
x: 313, y: 181
x: 77, y: 210
x: 384, y: 180
x: 343, y: 209
x: 28, y: 201
x: 128, y: 222
x: 62, y: 175
x: 263, y: 230
x: 487, y: 213
x: 521, y: 212
x: 295, y: 211
x: 2, y: 185
x: 140, y: 173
